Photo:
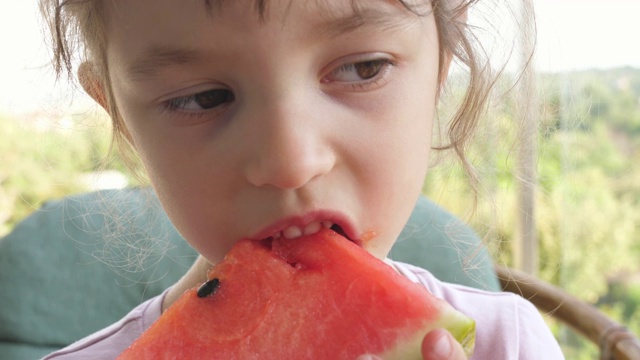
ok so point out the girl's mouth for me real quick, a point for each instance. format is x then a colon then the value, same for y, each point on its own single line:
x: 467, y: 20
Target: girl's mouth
x: 292, y: 232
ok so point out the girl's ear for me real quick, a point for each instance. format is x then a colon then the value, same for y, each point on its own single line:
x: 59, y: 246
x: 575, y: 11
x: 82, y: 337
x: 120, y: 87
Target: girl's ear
x: 444, y: 71
x: 92, y: 84
x: 460, y: 11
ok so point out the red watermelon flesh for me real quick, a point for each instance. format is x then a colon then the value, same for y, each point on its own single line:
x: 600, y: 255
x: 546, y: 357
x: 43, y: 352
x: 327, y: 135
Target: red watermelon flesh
x: 315, y: 297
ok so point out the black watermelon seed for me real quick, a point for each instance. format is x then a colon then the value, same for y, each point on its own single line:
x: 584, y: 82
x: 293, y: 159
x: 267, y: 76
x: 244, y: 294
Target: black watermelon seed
x: 208, y: 288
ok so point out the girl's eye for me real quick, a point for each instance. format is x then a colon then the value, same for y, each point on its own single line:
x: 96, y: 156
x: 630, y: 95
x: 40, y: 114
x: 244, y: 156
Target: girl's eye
x: 205, y: 100
x: 359, y: 72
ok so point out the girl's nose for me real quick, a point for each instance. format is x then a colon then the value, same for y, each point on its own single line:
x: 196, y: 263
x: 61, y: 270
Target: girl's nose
x: 290, y: 148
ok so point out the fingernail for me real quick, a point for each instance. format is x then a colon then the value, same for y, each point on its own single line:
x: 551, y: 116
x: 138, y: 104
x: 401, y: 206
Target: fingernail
x: 367, y: 357
x: 442, y: 347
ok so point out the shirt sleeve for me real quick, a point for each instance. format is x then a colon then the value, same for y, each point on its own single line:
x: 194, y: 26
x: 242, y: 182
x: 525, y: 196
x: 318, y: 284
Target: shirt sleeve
x: 109, y: 342
x: 535, y: 339
x: 507, y: 326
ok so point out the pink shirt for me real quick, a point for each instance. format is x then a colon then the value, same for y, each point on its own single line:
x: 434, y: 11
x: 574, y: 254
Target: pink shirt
x: 508, y: 327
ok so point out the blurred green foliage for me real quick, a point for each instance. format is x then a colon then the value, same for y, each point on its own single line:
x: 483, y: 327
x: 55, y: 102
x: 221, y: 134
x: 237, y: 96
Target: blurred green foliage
x: 45, y: 156
x: 588, y: 190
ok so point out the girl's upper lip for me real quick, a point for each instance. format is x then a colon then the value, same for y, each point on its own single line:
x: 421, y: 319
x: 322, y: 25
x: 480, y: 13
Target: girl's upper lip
x: 305, y: 219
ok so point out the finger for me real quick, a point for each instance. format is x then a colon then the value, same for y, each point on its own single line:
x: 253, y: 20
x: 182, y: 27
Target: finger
x: 368, y: 357
x: 440, y: 345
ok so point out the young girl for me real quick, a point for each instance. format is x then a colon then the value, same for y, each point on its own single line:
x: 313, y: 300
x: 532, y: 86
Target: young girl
x: 258, y: 118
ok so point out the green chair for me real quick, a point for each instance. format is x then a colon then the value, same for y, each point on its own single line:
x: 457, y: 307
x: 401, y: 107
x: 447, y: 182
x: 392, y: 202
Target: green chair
x: 438, y: 241
x: 79, y: 264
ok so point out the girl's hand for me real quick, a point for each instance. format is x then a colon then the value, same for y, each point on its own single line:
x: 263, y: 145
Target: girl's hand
x: 437, y: 345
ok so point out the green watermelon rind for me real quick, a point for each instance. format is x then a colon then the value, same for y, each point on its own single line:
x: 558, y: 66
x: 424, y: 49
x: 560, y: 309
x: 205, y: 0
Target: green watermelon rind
x: 460, y: 326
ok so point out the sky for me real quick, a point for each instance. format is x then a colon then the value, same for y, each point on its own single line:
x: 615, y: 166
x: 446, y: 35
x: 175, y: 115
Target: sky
x: 578, y: 34
x: 572, y: 34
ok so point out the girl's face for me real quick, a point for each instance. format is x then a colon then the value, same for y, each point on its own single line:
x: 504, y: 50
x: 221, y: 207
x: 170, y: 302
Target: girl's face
x: 254, y: 127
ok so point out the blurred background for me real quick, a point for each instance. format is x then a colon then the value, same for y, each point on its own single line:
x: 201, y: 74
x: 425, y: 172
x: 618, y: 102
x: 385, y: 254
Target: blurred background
x: 571, y: 216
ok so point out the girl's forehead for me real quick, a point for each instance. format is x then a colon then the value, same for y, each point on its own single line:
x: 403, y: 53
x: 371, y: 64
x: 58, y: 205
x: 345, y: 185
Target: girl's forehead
x: 319, y: 16
x: 264, y: 9
x: 327, y: 6
x: 152, y: 29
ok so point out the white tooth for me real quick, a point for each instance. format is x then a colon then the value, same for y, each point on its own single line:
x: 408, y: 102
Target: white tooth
x: 312, y: 228
x: 327, y: 224
x: 292, y: 232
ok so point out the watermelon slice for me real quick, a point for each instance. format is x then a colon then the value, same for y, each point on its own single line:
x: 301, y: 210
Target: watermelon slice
x: 315, y: 297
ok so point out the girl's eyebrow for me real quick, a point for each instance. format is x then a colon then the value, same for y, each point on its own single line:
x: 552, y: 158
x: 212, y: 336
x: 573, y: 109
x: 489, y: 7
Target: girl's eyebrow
x: 157, y: 57
x: 367, y: 18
